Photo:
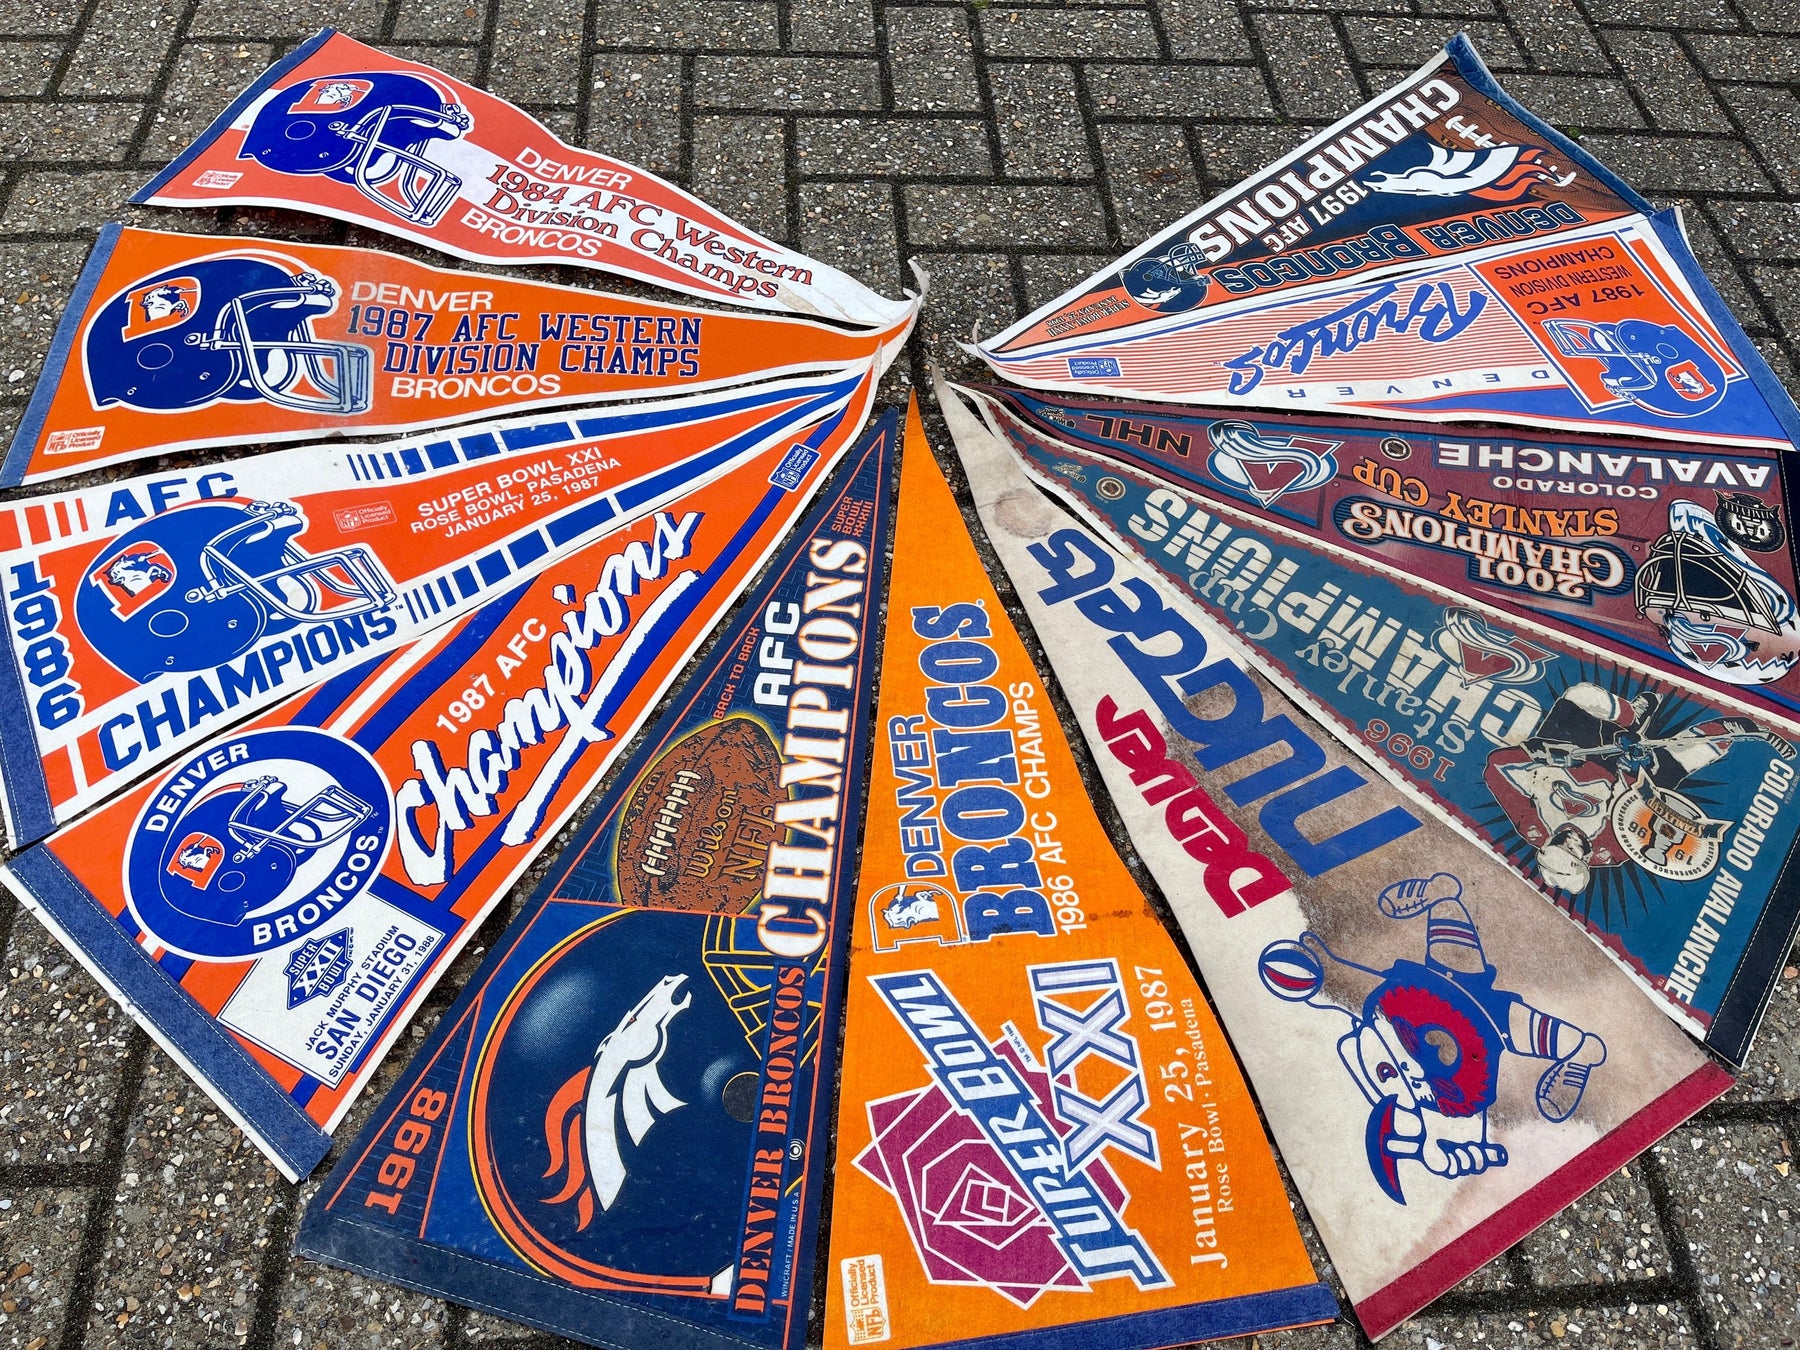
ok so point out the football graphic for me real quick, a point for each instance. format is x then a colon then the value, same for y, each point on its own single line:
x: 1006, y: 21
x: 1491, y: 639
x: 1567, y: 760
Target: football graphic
x: 696, y: 827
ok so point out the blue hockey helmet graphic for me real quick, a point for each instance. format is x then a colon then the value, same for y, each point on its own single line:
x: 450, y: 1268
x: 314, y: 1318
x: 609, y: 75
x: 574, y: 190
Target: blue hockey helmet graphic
x: 368, y: 129
x: 237, y: 328
x: 1660, y: 367
x: 200, y: 585
x: 255, y: 841
x: 1170, y: 282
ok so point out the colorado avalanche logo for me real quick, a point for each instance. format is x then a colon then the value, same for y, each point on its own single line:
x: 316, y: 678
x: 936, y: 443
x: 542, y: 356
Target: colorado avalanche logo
x: 1503, y: 173
x: 1269, y: 467
x: 1484, y: 651
x: 334, y: 93
x: 164, y: 303
x: 133, y: 577
x: 250, y: 845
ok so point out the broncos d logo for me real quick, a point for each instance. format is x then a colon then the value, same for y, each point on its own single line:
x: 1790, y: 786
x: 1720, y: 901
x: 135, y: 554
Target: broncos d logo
x: 135, y: 573
x: 581, y: 1125
x: 197, y: 857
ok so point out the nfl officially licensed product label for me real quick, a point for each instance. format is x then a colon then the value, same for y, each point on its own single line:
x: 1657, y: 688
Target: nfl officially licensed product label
x: 146, y: 614
x: 617, y: 1131
x: 1440, y: 254
x: 1041, y: 1129
x: 173, y: 341
x: 1445, y: 1061
x: 344, y: 130
x: 1662, y: 822
x: 274, y: 908
x: 1675, y: 558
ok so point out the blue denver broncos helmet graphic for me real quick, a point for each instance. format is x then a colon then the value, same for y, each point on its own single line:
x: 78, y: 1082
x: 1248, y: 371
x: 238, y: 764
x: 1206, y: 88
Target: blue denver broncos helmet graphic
x: 202, y: 584
x: 614, y: 1071
x: 235, y: 328
x: 368, y: 129
x: 1170, y: 282
x: 256, y: 841
x: 1660, y: 367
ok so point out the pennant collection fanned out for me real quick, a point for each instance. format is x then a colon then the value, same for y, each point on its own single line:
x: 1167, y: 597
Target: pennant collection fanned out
x: 1463, y: 754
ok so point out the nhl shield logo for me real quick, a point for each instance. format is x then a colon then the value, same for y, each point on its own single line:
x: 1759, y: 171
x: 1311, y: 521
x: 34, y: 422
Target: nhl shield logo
x: 1749, y: 522
x: 161, y: 304
x: 318, y: 966
x: 1267, y: 468
x: 1485, y: 651
x: 133, y: 577
x: 334, y: 93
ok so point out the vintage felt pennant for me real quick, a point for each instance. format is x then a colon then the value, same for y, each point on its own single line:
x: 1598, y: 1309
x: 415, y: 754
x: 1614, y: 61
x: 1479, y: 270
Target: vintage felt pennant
x: 617, y: 1132
x: 1439, y: 253
x: 1675, y: 558
x: 1661, y: 821
x: 147, y: 614
x: 274, y: 908
x: 173, y: 341
x: 1041, y: 1130
x: 344, y: 130
x: 1444, y: 1060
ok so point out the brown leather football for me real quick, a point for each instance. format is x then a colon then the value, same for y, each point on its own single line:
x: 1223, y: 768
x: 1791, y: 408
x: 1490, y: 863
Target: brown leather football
x: 697, y: 824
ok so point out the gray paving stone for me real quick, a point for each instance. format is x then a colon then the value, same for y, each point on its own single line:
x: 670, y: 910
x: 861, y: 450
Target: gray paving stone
x: 1772, y: 119
x: 1041, y: 132
x: 1771, y: 16
x: 26, y: 67
x: 53, y: 132
x: 1762, y: 57
x: 187, y: 1225
x: 60, y: 200
x: 1150, y: 175
x: 1609, y: 1235
x: 1680, y: 164
x: 1408, y: 43
x: 440, y: 20
x: 1012, y: 34
x: 35, y: 280
x: 1211, y: 30
x: 66, y: 1048
x: 851, y: 226
x: 831, y: 25
x: 1717, y: 263
x: 1050, y: 275
x: 1672, y: 88
x: 123, y: 49
x: 787, y: 83
x: 739, y: 167
x: 1636, y: 1326
x: 689, y: 25
x: 931, y: 60
x: 1556, y: 34
x: 1235, y: 92
x: 1737, y: 1199
x: 292, y: 19
x: 935, y: 146
x: 1665, y: 13
x: 40, y: 1237
x: 974, y: 217
x: 537, y: 51
x: 1575, y: 103
x: 635, y: 113
x: 1313, y: 78
x: 1228, y: 154
x: 969, y: 292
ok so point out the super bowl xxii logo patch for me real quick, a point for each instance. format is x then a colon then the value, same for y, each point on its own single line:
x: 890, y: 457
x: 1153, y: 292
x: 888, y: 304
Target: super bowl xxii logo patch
x: 318, y: 966
x: 1269, y: 467
x: 255, y: 841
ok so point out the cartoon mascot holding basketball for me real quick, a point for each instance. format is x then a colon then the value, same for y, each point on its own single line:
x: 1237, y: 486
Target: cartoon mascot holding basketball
x: 1426, y: 1039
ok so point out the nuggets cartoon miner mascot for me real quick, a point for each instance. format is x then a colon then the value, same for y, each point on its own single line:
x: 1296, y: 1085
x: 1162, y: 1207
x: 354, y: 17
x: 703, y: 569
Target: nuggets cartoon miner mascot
x: 1427, y: 1037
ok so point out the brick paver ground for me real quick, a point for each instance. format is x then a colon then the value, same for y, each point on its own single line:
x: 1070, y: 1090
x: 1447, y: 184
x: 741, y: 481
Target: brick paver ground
x: 1012, y: 147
